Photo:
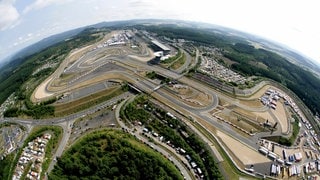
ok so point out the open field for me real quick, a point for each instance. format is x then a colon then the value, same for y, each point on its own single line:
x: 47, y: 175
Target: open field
x: 246, y: 123
x: 179, y: 62
x: 83, y: 103
x: 251, y: 103
x: 239, y: 117
x: 263, y: 116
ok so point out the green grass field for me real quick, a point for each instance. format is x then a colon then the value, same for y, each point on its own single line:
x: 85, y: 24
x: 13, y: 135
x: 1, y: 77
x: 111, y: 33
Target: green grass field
x: 179, y: 62
x: 86, y: 102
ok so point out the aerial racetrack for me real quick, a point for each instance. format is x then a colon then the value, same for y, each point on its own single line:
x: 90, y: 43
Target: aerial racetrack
x: 92, y: 64
x: 97, y: 64
x: 244, y: 124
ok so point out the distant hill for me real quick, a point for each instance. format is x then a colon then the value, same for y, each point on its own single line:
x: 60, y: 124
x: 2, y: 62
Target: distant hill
x: 281, y: 49
x: 290, y: 55
x: 275, y: 47
x: 41, y: 45
x: 18, y: 57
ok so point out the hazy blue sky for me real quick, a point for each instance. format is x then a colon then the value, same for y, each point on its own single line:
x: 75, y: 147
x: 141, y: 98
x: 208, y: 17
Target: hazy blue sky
x: 294, y: 23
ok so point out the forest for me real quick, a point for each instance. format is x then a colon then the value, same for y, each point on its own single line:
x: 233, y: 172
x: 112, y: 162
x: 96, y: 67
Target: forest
x: 302, y: 82
x: 198, y: 36
x: 112, y: 154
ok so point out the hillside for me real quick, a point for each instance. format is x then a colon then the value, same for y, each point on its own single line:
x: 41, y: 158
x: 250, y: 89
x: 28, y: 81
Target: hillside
x: 112, y: 154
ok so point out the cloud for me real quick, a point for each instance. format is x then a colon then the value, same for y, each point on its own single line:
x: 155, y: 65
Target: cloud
x: 39, y: 4
x: 8, y: 15
x: 140, y: 3
x: 22, y: 40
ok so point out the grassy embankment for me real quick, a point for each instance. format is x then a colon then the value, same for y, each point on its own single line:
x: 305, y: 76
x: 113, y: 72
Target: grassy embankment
x: 176, y: 61
x: 88, y: 101
x: 179, y: 62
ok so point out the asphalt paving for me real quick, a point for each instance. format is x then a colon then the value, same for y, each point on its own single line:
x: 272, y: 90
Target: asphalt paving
x: 148, y: 87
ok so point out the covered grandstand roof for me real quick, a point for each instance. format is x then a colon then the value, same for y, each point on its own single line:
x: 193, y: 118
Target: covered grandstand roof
x: 160, y: 45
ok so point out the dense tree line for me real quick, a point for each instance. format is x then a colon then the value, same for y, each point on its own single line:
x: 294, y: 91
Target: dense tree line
x: 5, y: 165
x: 112, y: 155
x: 43, y: 73
x: 198, y: 36
x: 41, y: 110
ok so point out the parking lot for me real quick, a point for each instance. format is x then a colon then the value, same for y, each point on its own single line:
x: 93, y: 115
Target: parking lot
x: 102, y: 118
x: 10, y: 138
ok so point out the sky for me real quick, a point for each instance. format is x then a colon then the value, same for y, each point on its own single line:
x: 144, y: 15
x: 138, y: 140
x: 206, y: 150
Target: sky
x: 293, y: 23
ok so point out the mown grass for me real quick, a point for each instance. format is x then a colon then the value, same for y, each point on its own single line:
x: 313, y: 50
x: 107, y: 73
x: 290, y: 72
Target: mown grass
x: 86, y: 102
x: 172, y: 59
x: 179, y: 62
